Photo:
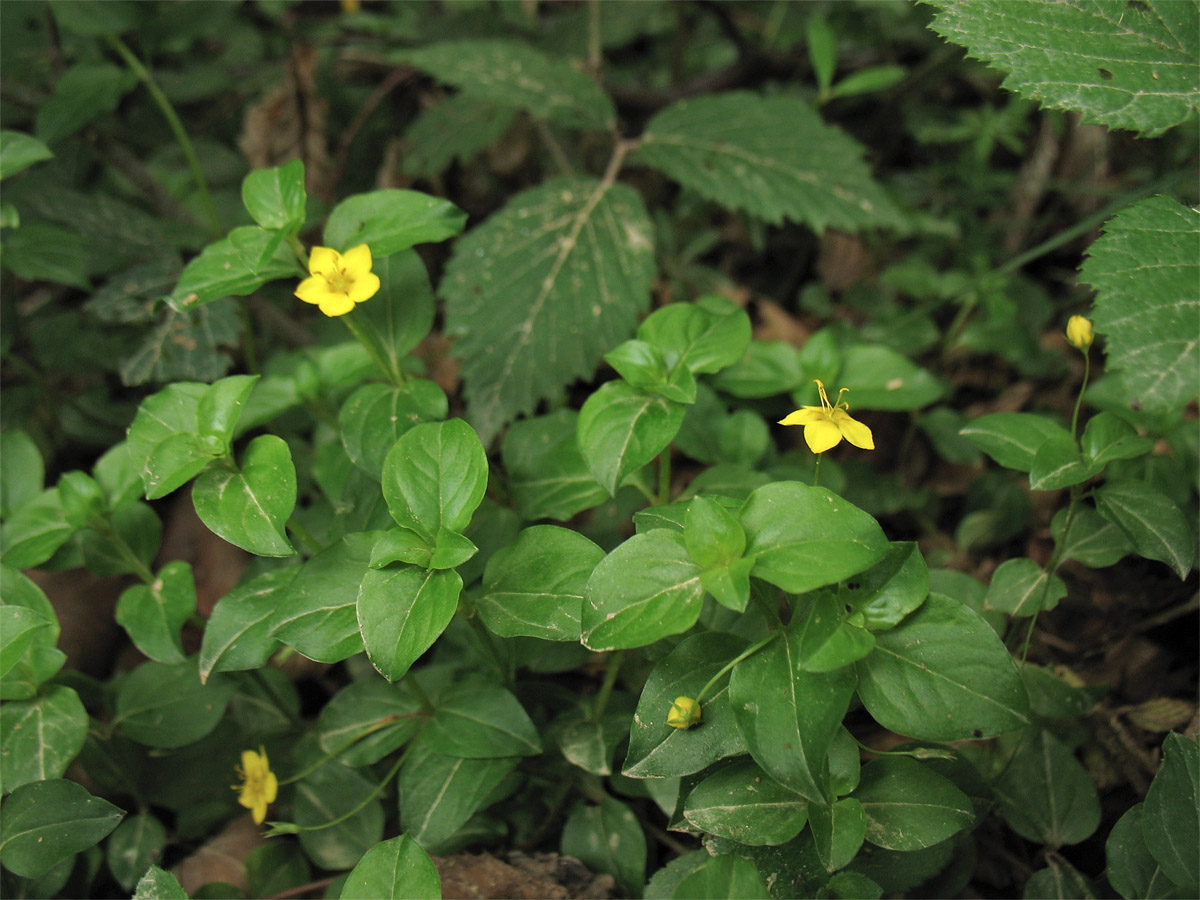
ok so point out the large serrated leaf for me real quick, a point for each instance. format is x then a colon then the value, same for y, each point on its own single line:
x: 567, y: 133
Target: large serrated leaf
x: 772, y: 157
x: 1122, y: 64
x: 1146, y: 272
x: 509, y: 74
x: 540, y: 291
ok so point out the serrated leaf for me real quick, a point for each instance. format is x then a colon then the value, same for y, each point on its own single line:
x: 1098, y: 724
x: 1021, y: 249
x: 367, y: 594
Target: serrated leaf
x: 186, y: 345
x: 457, y: 127
x: 538, y: 293
x: 1120, y: 64
x: 1145, y: 269
x: 510, y: 74
x: 771, y: 156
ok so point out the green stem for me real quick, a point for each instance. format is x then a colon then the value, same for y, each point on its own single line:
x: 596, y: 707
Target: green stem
x: 1087, y: 371
x: 817, y: 471
x: 249, y: 347
x: 391, y: 773
x: 606, y: 689
x: 489, y: 644
x: 311, y: 544
x: 394, y: 376
x: 280, y: 702
x: 343, y: 747
x: 105, y: 530
x: 664, y: 477
x: 181, y: 137
x: 753, y: 648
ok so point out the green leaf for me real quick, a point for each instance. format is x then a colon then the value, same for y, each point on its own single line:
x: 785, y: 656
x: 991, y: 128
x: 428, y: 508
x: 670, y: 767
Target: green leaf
x: 456, y: 127
x: 706, y: 336
x: 656, y: 750
x: 713, y: 536
x: 1045, y: 794
x: 1172, y: 810
x: 509, y: 74
x: 22, y: 471
x: 96, y: 18
x: 646, y: 589
x: 85, y: 92
x: 909, y: 806
x: 317, y: 614
x: 1108, y: 437
x: 19, y: 151
x: 942, y: 675
x: 402, y: 610
x: 238, y: 633
x: 35, y: 531
x: 880, y: 378
x: 868, y: 81
x: 186, y: 345
x: 1120, y: 65
x: 390, y: 221
x: 40, y: 252
x: 622, y: 429
x: 743, y: 803
x: 1059, y: 880
x: 546, y: 472
x: 724, y: 877
x: 822, y: 51
x: 275, y: 198
x: 767, y: 368
x: 540, y: 291
x: 1012, y: 439
x: 381, y: 715
x: 397, y: 869
x: 825, y: 640
x: 154, y: 614
x: 400, y: 315
x: 838, y: 831
x: 250, y: 506
x: 772, y: 157
x: 164, y: 437
x: 1144, y: 269
x: 375, y: 416
x: 158, y: 884
x: 135, y: 845
x: 730, y: 584
x: 535, y: 586
x: 329, y: 793
x: 1020, y: 587
x: 789, y: 716
x: 892, y: 588
x: 435, y: 477
x: 49, y: 821
x: 19, y: 626
x: 477, y: 720
x: 438, y: 794
x: 41, y: 736
x: 805, y: 537
x: 1092, y: 540
x: 167, y: 706
x: 238, y: 264
x: 608, y: 838
x: 1151, y: 520
x: 1132, y: 870
x: 590, y: 743
x: 1058, y: 464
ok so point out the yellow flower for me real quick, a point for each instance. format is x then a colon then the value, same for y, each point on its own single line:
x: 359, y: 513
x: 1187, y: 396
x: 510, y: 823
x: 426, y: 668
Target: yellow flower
x: 259, y: 784
x: 684, y: 713
x: 338, y: 280
x: 1079, y: 332
x: 827, y: 424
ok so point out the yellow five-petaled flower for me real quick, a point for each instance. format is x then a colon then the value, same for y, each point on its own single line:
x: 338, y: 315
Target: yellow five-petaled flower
x: 827, y: 424
x: 259, y: 785
x: 338, y: 280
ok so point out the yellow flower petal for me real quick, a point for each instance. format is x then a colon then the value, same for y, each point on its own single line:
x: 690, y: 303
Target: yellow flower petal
x: 336, y: 304
x: 314, y: 289
x: 854, y: 431
x: 364, y: 287
x: 803, y: 416
x: 324, y: 261
x: 357, y: 261
x: 821, y: 436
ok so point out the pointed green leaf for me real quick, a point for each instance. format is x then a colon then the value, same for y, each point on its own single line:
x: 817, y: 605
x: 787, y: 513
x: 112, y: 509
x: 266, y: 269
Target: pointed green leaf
x: 743, y: 803
x: 400, y: 314
x: 879, y: 377
x: 1151, y: 520
x: 892, y: 588
x: 340, y: 813
x: 158, y: 884
x: 909, y: 806
x: 19, y: 151
x: 390, y: 221
x: 1058, y: 464
x: 622, y: 429
x: 480, y: 721
x: 35, y: 531
x: 656, y: 750
x: 838, y: 830
x: 1092, y: 540
x: 789, y: 716
x: 805, y: 537
x: 41, y: 736
x: 375, y: 416
x: 1108, y: 437
x: 1132, y: 870
x: 19, y: 626
x: 49, y: 821
x: 724, y: 877
x: 1172, y: 811
x: 238, y: 633
x: 394, y: 870
x: 402, y: 610
x: 766, y: 369
x: 547, y: 473
x: 134, y: 846
x: 1119, y: 64
x: 249, y: 506
x: 706, y: 336
x: 154, y: 614
x: 1012, y: 439
x: 275, y: 197
x: 608, y: 838
x: 238, y: 264
x: 825, y: 640
x: 435, y: 477
x: 771, y: 156
x: 1020, y: 587
x: 438, y: 793
x: 942, y: 675
x: 535, y: 586
x: 1045, y: 794
x: 510, y: 74
x: 646, y: 589
x: 382, y: 716
x: 167, y: 706
x: 1145, y: 268
x: 542, y: 289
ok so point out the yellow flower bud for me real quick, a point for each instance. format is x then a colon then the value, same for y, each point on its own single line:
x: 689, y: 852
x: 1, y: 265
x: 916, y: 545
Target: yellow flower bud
x: 1079, y: 332
x: 684, y: 713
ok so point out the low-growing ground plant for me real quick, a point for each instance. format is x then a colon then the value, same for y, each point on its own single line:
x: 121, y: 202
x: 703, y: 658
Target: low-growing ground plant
x: 748, y: 448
